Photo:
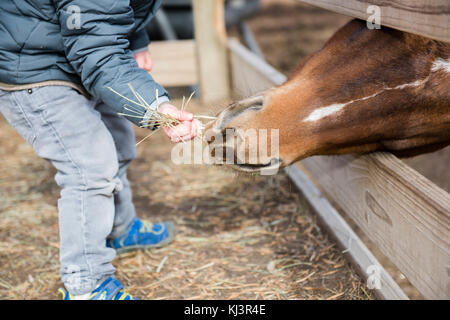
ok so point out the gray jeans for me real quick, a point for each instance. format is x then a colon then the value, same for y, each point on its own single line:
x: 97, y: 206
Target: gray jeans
x: 90, y: 147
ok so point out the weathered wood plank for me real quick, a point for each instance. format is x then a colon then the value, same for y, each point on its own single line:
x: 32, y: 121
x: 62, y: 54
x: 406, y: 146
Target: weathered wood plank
x: 402, y: 212
x: 424, y: 17
x: 355, y: 249
x: 405, y: 214
x: 175, y: 63
x: 210, y: 36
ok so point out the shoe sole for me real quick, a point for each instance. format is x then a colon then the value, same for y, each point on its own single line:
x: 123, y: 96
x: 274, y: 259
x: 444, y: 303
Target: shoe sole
x: 172, y: 231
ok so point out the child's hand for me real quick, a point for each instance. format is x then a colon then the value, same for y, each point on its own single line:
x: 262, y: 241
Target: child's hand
x: 186, y: 130
x: 144, y: 60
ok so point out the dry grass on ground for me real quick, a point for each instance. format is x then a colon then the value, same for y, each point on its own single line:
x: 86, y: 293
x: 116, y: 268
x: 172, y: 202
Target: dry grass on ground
x: 240, y: 236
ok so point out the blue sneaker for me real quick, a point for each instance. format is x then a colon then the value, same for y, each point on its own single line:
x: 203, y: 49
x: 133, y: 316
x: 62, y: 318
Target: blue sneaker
x: 110, y: 289
x: 143, y: 234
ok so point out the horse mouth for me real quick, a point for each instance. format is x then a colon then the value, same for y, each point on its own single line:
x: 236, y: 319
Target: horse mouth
x: 273, y: 164
x: 226, y: 155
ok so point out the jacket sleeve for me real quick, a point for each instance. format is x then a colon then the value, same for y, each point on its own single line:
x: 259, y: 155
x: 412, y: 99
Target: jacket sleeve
x: 139, y: 40
x: 97, y: 47
x: 144, y: 11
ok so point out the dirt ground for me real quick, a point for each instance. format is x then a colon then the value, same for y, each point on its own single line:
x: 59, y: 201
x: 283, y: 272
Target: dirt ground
x: 240, y: 236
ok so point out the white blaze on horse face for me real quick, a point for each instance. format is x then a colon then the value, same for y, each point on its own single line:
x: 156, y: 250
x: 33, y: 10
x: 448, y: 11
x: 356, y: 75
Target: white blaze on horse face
x: 325, y: 111
x: 441, y: 65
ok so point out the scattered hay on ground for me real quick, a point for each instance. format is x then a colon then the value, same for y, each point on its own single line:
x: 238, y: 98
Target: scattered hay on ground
x: 240, y: 236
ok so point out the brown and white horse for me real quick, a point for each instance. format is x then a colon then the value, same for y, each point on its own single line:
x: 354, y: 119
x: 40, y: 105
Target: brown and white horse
x: 365, y: 90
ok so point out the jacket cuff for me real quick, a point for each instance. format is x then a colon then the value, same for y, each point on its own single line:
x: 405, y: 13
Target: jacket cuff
x: 139, y: 40
x: 154, y: 106
x: 140, y: 50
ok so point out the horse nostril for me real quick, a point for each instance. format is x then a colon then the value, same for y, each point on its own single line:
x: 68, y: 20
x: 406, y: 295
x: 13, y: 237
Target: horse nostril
x: 220, y: 136
x: 228, y: 133
x: 211, y: 135
x: 223, y: 154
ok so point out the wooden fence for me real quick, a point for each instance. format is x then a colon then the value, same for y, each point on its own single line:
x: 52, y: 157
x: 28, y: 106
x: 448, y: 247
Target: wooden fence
x: 402, y: 212
x: 429, y: 18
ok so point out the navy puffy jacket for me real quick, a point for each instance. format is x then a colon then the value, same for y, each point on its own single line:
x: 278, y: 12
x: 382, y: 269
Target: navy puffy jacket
x: 81, y: 41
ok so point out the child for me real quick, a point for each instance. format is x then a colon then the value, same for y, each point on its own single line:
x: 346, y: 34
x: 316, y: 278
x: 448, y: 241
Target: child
x: 57, y: 60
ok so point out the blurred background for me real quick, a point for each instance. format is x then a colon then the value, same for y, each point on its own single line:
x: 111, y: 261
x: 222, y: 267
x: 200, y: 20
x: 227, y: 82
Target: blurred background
x: 281, y: 31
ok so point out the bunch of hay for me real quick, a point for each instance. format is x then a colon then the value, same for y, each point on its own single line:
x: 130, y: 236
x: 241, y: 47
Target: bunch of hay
x: 158, y: 119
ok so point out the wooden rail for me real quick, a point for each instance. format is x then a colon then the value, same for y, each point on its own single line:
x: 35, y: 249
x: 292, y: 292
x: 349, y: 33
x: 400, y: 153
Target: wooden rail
x: 210, y: 36
x: 402, y: 212
x: 176, y: 64
x: 355, y: 249
x: 429, y: 18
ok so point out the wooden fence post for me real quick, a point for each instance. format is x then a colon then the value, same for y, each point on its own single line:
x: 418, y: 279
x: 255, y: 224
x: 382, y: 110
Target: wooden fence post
x: 212, y: 61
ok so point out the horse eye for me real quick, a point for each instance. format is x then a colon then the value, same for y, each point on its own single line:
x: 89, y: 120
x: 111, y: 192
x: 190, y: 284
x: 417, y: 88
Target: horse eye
x: 253, y: 103
x: 256, y: 106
